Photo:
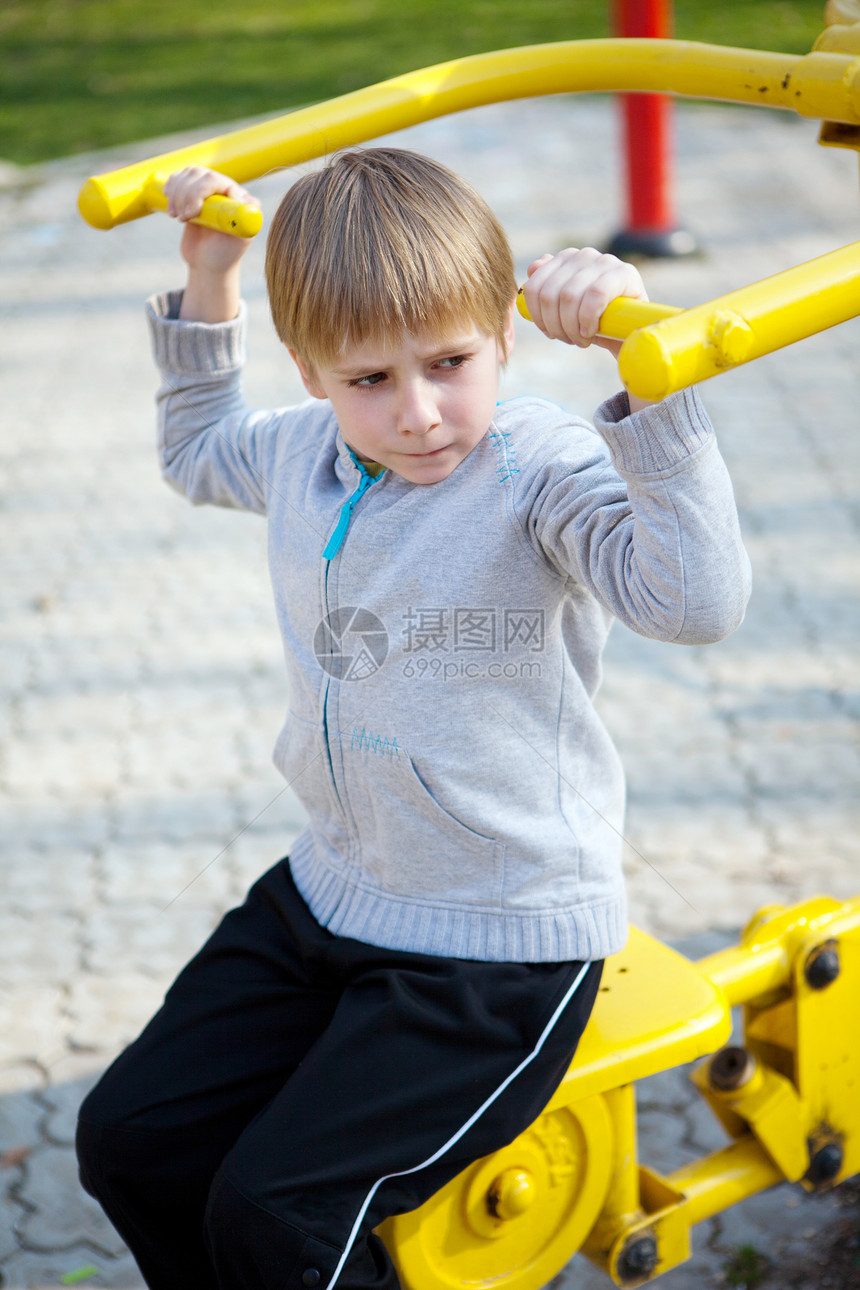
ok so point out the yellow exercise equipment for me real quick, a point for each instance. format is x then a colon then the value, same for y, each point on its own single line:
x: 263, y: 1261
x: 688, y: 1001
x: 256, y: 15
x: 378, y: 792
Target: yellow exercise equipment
x: 658, y: 358
x: 666, y: 349
x: 824, y: 84
x: 786, y: 1095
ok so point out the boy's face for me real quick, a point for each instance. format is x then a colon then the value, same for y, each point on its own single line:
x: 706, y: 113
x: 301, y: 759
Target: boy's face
x: 417, y: 405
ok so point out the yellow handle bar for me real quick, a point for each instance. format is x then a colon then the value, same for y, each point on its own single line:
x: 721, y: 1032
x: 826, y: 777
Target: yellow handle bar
x: 683, y: 346
x: 666, y: 349
x: 224, y: 214
x: 822, y: 84
x: 622, y: 317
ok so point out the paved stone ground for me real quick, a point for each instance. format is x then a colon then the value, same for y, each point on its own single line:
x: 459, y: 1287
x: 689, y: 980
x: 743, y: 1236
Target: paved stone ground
x: 141, y: 674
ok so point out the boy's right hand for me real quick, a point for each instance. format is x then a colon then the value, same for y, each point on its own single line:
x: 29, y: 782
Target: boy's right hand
x: 213, y: 258
x: 205, y: 248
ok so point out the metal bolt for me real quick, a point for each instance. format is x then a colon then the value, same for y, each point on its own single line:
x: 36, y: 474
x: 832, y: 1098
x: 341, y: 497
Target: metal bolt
x: 731, y: 336
x: 731, y: 1068
x: 638, y: 1258
x: 822, y: 965
x: 825, y: 1164
x: 511, y: 1194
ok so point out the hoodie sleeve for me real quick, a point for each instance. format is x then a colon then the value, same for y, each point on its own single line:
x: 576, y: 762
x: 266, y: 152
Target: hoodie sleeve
x: 644, y: 517
x: 212, y: 447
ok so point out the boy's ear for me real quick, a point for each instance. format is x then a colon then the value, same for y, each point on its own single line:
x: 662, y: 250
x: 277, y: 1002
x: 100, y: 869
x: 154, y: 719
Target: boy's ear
x: 509, y: 332
x: 308, y: 376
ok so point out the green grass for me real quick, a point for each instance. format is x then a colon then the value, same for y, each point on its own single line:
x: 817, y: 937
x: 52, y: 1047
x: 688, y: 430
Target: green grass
x: 746, y: 1269
x: 82, y: 74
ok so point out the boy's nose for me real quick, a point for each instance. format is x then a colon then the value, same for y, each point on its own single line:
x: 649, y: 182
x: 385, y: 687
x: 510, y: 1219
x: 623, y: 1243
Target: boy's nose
x: 417, y: 412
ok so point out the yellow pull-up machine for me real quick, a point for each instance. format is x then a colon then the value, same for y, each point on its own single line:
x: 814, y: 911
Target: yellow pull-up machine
x: 658, y: 357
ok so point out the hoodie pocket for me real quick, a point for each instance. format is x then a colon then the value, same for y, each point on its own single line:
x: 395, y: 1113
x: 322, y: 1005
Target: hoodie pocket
x: 411, y: 845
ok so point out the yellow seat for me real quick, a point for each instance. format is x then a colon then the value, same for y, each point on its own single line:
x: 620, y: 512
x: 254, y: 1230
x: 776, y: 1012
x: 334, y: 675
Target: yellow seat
x: 654, y: 1010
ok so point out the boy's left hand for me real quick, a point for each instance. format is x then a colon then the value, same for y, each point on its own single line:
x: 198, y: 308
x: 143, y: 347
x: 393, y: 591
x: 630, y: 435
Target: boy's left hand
x: 567, y: 294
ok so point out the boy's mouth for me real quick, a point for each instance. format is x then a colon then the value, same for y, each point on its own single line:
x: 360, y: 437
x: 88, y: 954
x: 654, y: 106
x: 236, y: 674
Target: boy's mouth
x: 434, y: 453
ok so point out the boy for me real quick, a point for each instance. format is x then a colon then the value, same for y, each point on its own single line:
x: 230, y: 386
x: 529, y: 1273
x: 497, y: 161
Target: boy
x: 403, y: 995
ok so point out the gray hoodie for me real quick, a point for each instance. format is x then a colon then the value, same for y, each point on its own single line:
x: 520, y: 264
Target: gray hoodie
x: 443, y: 643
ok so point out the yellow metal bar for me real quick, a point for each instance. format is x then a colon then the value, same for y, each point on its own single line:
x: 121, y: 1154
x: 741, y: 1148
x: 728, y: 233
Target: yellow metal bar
x: 764, y: 960
x: 620, y: 1205
x: 221, y: 213
x: 725, y: 1177
x: 821, y: 85
x: 701, y: 342
x: 622, y: 1199
x: 620, y: 319
x: 744, y: 974
x: 666, y: 349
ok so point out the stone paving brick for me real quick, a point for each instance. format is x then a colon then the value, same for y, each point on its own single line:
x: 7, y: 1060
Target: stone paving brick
x: 36, y: 1271
x: 21, y: 1120
x: 33, y: 1027
x: 155, y: 874
x: 9, y: 1215
x: 663, y: 1139
x: 39, y: 950
x: 58, y: 1212
x: 139, y: 816
x: 49, y: 882
x: 71, y: 1076
x: 784, y: 1225
x: 148, y: 939
x: 105, y: 1013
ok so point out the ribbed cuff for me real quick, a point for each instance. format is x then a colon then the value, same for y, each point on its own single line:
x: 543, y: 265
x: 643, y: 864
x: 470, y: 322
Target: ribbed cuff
x: 193, y: 347
x: 659, y: 437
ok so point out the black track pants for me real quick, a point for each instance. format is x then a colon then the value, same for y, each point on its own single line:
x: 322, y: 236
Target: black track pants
x: 298, y: 1087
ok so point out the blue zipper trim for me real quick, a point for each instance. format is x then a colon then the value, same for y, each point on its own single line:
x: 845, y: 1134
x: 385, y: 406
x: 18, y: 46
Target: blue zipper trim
x: 335, y: 542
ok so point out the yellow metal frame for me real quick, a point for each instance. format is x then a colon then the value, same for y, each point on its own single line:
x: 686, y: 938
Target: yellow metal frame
x: 666, y: 349
x: 786, y: 1096
x: 824, y: 84
x: 656, y: 359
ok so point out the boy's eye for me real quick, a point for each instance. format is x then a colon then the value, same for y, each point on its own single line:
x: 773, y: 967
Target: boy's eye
x: 456, y: 360
x: 366, y: 382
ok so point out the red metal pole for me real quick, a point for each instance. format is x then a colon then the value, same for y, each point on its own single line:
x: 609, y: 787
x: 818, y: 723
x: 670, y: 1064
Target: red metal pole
x: 651, y: 227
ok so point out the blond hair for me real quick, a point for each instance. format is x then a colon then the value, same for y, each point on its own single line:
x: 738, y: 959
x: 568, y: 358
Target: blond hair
x: 381, y: 241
